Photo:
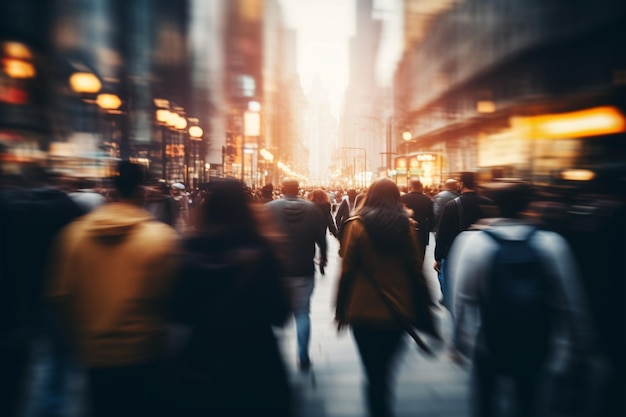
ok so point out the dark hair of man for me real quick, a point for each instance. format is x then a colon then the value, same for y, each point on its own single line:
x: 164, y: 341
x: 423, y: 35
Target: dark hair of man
x: 130, y: 177
x: 511, y: 198
x: 416, y: 185
x: 468, y: 180
x: 291, y: 187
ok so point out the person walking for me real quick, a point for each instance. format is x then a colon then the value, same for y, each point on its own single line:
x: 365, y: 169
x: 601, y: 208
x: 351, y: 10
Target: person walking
x: 458, y: 214
x: 450, y: 192
x: 345, y: 208
x: 421, y: 207
x: 524, y: 284
x: 230, y: 292
x: 320, y: 198
x: 110, y: 284
x: 381, y: 287
x: 303, y: 227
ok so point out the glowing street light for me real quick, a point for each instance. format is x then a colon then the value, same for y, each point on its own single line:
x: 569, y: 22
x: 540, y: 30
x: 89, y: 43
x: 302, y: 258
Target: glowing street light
x: 196, y: 132
x: 108, y: 101
x: 85, y: 83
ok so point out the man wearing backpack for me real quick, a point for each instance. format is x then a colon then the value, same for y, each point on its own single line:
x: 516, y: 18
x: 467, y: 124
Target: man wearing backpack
x: 457, y: 215
x: 523, y: 284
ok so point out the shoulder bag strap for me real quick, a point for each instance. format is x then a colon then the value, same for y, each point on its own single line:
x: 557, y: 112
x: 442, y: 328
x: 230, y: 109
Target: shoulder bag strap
x: 399, y: 318
x: 459, y: 209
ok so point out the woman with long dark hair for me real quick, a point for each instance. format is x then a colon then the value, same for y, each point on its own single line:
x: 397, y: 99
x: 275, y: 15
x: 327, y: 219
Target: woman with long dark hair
x: 381, y: 287
x: 322, y: 202
x: 230, y: 295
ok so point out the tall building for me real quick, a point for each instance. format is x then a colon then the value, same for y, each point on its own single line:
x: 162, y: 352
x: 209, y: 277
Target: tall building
x: 320, y: 133
x: 478, y: 87
x: 362, y: 126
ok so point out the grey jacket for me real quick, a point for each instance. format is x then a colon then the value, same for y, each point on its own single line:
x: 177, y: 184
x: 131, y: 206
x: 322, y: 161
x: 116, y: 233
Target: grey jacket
x: 303, y: 226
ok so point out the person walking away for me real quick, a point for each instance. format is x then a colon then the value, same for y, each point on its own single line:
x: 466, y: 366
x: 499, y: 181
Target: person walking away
x: 110, y: 284
x: 230, y: 292
x: 31, y: 215
x: 303, y: 227
x: 180, y: 196
x: 421, y: 207
x: 441, y: 199
x: 458, y: 214
x: 525, y: 287
x: 159, y: 201
x: 381, y: 267
x: 322, y: 202
x: 345, y: 208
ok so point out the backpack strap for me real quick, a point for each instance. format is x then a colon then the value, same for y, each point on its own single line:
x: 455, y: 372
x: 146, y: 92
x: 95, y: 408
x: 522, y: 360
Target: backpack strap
x: 459, y: 209
x: 491, y: 233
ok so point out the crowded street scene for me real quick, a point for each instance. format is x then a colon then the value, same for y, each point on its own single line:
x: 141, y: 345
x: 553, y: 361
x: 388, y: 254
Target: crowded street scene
x: 339, y: 208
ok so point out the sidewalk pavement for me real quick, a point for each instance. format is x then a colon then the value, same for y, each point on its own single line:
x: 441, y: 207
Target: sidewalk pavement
x: 433, y: 387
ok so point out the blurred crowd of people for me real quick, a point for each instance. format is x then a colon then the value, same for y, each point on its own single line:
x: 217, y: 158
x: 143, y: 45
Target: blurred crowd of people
x: 165, y: 299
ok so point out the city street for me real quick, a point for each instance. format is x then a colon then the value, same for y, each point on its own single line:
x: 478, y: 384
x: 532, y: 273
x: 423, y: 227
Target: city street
x: 433, y: 387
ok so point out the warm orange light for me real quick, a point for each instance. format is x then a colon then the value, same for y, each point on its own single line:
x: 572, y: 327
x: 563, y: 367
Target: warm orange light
x: 485, y: 106
x: 578, y: 175
x: 17, y: 50
x: 181, y: 122
x: 108, y: 101
x: 85, y: 82
x: 407, y: 135
x: 267, y: 155
x: 16, y: 68
x: 195, y: 132
x: 163, y: 116
x: 590, y: 122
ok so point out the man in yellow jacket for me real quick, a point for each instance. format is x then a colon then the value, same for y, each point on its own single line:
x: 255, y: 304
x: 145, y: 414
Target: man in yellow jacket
x: 111, y: 281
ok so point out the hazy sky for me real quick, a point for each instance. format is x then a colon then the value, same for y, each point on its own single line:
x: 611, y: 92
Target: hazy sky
x: 324, y: 28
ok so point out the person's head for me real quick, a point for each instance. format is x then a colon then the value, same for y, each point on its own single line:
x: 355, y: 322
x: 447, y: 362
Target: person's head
x: 512, y: 198
x: 267, y: 191
x: 382, y: 194
x: 451, y: 184
x: 291, y: 187
x: 177, y: 188
x: 352, y: 194
x: 319, y: 196
x: 129, y: 180
x: 468, y: 180
x: 416, y: 185
x: 226, y: 206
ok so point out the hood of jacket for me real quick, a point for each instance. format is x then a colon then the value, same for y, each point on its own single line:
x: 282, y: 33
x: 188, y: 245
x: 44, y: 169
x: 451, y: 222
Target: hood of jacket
x: 387, y: 231
x: 293, y: 209
x: 114, y: 222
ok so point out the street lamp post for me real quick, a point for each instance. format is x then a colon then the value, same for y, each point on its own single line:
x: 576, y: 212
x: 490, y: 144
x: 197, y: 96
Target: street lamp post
x: 363, y: 180
x: 407, y: 136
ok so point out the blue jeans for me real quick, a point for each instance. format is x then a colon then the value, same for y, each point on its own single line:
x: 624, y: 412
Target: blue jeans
x: 301, y: 290
x: 444, y: 284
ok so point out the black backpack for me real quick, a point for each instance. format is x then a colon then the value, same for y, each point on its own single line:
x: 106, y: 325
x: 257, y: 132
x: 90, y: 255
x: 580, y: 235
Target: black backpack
x: 516, y: 308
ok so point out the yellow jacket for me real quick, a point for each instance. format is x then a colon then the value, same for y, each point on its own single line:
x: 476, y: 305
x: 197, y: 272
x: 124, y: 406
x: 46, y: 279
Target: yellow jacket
x: 398, y: 274
x: 112, y: 274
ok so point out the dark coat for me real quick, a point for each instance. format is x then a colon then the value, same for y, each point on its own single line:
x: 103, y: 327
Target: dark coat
x: 474, y: 207
x: 230, y: 294
x: 304, y: 227
x: 422, y: 207
x: 324, y: 208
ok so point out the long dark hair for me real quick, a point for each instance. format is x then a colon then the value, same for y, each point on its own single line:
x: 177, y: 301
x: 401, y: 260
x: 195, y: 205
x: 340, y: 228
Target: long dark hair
x: 385, y: 218
x: 227, y: 211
